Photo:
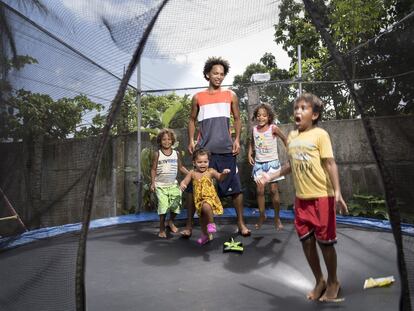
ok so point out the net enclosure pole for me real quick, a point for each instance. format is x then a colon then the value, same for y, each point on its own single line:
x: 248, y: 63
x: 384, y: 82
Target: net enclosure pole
x: 139, y: 141
x: 80, y: 285
x: 315, y: 14
x: 300, y: 69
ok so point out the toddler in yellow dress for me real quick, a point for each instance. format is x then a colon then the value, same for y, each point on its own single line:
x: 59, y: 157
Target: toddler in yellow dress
x: 206, y: 200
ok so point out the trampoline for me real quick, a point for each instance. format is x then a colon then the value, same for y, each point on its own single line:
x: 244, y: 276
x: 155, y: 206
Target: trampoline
x: 94, y: 52
x: 129, y: 268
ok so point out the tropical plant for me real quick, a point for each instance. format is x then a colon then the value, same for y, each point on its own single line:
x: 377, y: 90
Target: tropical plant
x: 368, y: 206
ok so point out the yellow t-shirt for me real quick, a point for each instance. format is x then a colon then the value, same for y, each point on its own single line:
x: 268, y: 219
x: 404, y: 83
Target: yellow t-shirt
x: 306, y: 151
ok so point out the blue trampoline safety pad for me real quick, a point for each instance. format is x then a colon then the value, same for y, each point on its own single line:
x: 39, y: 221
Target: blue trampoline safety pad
x: 43, y: 233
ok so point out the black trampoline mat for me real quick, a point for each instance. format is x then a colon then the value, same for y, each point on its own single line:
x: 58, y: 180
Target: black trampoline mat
x: 130, y: 268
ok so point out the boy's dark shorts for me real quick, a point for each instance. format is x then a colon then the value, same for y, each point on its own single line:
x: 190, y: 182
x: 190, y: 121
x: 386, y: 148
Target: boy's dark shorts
x: 231, y: 184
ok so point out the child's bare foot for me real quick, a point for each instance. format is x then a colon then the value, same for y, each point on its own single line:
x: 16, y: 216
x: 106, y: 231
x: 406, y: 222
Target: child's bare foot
x: 278, y: 224
x: 243, y: 230
x: 262, y: 219
x: 331, y: 292
x: 173, y: 228
x: 317, y: 291
x: 162, y: 234
x: 186, y: 233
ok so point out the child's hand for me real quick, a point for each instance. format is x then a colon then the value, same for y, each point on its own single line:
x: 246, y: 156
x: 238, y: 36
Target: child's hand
x: 263, y: 179
x: 236, y: 147
x: 152, y: 187
x: 226, y: 171
x: 183, y: 186
x: 340, y: 204
x: 251, y: 160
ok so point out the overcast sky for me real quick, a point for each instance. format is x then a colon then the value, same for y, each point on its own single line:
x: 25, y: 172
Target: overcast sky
x: 186, y: 71
x: 79, y: 24
x: 196, y: 28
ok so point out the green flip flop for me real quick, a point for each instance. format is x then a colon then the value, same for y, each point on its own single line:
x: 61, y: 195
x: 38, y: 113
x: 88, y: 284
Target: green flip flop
x: 233, y: 246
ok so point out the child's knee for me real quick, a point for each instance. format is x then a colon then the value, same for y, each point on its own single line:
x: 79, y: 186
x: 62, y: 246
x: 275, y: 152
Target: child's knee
x: 274, y: 192
x: 206, y: 207
x: 326, y: 246
x: 275, y: 197
x: 260, y: 190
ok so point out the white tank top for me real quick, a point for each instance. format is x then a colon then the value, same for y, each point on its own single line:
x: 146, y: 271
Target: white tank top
x: 265, y: 144
x: 167, y: 168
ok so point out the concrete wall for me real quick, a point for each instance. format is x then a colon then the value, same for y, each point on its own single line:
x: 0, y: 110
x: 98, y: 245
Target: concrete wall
x: 357, y: 168
x: 65, y: 169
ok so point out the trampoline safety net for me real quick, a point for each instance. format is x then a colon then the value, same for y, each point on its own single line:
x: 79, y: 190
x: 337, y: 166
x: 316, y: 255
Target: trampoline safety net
x: 69, y: 105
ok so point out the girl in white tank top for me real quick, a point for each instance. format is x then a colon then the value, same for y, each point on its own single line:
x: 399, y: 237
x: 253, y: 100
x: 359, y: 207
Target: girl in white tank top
x: 264, y: 157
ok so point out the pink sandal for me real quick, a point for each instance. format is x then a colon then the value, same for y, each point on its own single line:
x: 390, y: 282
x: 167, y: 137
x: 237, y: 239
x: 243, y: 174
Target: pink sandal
x: 203, y: 239
x: 211, y: 228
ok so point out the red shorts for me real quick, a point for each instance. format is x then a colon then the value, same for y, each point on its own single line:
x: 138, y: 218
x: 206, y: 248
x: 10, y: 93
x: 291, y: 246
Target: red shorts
x: 316, y: 217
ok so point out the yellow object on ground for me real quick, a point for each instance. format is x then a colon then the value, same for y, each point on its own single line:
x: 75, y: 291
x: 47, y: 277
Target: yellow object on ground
x: 378, y: 282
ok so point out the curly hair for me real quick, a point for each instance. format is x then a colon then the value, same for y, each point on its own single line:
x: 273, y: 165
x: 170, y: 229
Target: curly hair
x: 211, y: 61
x: 314, y: 101
x: 269, y: 110
x: 200, y: 152
x: 168, y: 132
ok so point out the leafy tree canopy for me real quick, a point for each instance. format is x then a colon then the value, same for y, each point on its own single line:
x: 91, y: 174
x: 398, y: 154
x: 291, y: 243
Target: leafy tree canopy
x: 352, y: 25
x: 40, y: 115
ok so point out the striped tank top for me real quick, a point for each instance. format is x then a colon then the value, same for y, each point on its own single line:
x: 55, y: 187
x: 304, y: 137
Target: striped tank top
x: 214, y: 110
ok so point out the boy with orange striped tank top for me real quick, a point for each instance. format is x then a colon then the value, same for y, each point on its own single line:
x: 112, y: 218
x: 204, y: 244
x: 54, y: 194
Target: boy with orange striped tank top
x: 264, y: 157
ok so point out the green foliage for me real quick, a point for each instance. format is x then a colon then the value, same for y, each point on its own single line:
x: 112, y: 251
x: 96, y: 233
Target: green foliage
x: 6, y: 64
x: 372, y: 206
x: 147, y: 197
x: 169, y: 110
x: 25, y: 114
x: 368, y: 206
x: 157, y: 112
x: 295, y: 28
x: 170, y: 113
x: 18, y: 62
x: 350, y: 23
x: 354, y: 22
x: 40, y: 115
x: 126, y: 122
x: 92, y: 128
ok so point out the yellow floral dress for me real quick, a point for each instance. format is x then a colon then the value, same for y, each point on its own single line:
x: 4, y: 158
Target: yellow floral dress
x: 204, y: 191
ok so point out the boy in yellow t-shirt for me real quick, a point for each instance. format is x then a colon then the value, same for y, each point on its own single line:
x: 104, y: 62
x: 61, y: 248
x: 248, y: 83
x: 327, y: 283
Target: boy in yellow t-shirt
x: 318, y: 192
